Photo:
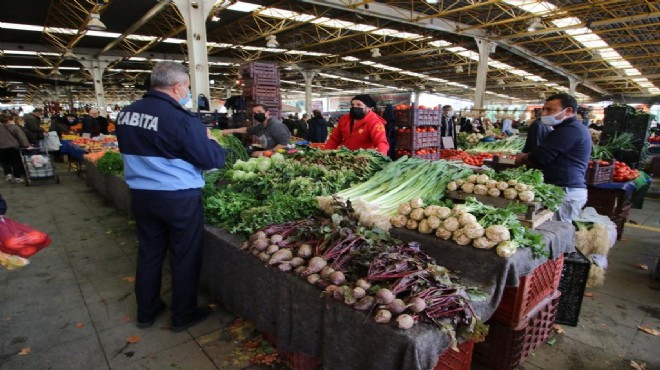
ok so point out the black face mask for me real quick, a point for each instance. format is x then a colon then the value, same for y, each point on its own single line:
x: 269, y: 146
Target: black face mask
x: 358, y: 113
x: 260, y: 117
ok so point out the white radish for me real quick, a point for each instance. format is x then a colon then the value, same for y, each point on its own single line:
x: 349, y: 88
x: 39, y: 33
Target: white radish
x: 365, y: 303
x: 315, y: 265
x: 296, y: 262
x: 305, y: 251
x: 313, y: 278
x: 397, y: 306
x: 385, y: 296
x: 281, y: 256
x: 359, y: 292
x: 383, y: 316
x: 405, y: 321
x: 364, y: 284
x: 417, y: 305
x: 337, y: 278
x: 272, y: 249
x: 276, y: 238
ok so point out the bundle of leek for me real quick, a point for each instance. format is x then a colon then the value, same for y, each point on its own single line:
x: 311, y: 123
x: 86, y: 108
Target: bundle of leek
x: 378, y: 198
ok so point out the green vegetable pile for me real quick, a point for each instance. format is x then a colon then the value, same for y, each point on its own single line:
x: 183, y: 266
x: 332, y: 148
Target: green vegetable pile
x: 506, y: 146
x: 263, y: 191
x: 110, y: 164
x: 234, y: 148
x: 550, y: 196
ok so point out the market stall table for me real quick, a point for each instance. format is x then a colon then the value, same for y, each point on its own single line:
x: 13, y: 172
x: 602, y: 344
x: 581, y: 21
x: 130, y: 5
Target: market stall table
x: 305, y: 322
x: 614, y: 199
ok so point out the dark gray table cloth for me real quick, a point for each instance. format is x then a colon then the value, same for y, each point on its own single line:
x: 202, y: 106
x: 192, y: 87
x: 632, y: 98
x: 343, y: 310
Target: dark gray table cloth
x: 304, y: 321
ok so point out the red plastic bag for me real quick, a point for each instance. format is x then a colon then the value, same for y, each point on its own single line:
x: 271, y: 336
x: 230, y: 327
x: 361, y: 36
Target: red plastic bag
x: 21, y: 240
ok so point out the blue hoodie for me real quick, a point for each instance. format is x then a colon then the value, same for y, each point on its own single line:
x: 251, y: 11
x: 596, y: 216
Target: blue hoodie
x: 164, y: 146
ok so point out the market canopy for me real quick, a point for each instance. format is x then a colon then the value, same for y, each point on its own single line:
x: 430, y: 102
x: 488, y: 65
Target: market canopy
x: 609, y: 48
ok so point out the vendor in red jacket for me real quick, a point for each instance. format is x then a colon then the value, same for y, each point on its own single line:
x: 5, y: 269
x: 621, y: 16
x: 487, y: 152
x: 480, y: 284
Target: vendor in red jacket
x: 362, y: 128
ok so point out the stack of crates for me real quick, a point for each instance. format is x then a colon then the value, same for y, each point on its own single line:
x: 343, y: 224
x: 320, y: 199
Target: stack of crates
x: 624, y: 118
x: 524, y: 319
x: 261, y: 85
x: 418, y: 133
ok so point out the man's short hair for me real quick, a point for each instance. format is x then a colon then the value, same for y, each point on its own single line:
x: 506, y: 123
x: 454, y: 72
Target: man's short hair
x: 565, y: 99
x: 264, y: 106
x: 445, y: 107
x: 166, y: 74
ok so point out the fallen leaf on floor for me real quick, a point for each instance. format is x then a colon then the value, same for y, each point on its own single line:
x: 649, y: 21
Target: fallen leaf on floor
x: 80, y: 325
x: 128, y: 279
x: 126, y: 319
x: 133, y: 339
x: 642, y: 266
x: 589, y: 294
x: 649, y: 330
x: 558, y: 329
x: 552, y: 341
x: 129, y: 353
x: 24, y: 351
x: 636, y: 366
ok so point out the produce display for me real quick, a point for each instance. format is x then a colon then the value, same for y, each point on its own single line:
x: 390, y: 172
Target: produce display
x: 370, y: 271
x: 234, y: 149
x: 505, y: 146
x: 472, y: 223
x: 618, y: 142
x: 654, y: 139
x: 418, y: 129
x: 283, y: 187
x: 467, y: 158
x: 623, y: 173
x: 521, y: 184
x: 378, y: 198
x: 473, y: 138
x: 111, y: 163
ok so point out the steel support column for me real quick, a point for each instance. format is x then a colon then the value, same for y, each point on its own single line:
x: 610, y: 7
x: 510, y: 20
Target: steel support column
x: 96, y: 67
x: 194, y: 14
x: 482, y: 73
x: 309, y: 79
x: 572, y: 84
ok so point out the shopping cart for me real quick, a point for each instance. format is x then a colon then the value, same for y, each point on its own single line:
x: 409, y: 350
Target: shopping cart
x: 38, y: 165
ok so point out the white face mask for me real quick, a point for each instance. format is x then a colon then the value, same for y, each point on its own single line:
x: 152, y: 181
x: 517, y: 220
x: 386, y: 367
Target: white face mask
x: 553, y: 120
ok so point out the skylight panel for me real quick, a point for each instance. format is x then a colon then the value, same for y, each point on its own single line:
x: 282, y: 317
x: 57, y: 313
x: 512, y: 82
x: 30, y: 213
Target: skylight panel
x: 241, y: 6
x: 532, y: 6
x: 350, y: 59
x: 362, y: 28
x: 440, y: 43
x: 286, y: 14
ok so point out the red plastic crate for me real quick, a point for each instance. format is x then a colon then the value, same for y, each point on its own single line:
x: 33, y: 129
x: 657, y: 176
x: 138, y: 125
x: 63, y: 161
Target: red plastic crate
x: 415, y: 140
x: 507, y: 347
x: 599, y: 174
x: 299, y: 361
x: 263, y: 91
x: 261, y: 79
x: 256, y: 68
x: 452, y: 360
x: 532, y: 288
x: 417, y: 117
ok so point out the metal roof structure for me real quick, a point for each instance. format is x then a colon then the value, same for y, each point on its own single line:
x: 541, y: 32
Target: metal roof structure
x: 609, y: 48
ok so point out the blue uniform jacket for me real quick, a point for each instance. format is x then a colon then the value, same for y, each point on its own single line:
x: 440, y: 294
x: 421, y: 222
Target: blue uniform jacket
x: 164, y: 146
x: 564, y: 154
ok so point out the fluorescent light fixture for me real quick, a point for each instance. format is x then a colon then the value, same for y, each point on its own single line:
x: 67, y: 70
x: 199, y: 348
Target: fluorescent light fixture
x: 271, y: 41
x: 501, y: 82
x: 459, y: 69
x: 215, y: 19
x: 95, y: 23
x: 375, y: 53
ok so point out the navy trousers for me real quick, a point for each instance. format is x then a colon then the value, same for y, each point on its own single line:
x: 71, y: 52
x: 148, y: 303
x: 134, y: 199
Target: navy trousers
x: 168, y: 221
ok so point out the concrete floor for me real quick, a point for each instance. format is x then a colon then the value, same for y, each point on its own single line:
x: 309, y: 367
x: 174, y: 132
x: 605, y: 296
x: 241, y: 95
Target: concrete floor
x: 73, y: 307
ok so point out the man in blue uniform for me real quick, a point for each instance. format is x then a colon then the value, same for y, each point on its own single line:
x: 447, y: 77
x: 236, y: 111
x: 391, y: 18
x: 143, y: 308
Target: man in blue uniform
x: 165, y: 148
x: 564, y: 153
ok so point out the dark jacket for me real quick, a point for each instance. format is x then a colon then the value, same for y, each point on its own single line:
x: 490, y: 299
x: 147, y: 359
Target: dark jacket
x: 564, y: 154
x: 448, y: 128
x: 318, y: 130
x: 164, y: 146
x: 32, y: 129
x: 275, y: 133
x: 103, y: 124
x: 535, y: 135
x: 390, y: 129
x: 90, y: 126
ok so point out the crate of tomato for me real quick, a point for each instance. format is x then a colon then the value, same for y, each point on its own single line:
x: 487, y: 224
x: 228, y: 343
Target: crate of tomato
x: 460, y: 155
x: 599, y: 172
x: 417, y: 137
x: 623, y: 173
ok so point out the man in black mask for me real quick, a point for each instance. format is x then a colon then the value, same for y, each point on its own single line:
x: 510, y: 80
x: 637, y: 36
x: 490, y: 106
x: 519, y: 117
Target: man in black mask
x: 271, y: 131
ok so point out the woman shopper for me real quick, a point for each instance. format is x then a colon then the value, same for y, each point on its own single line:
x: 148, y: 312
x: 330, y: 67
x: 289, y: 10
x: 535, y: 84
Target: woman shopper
x: 12, y: 138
